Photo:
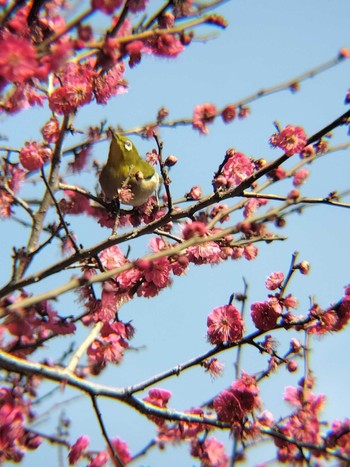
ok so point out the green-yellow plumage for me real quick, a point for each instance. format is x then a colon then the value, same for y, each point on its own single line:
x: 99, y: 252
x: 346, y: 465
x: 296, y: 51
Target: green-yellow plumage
x: 125, y: 166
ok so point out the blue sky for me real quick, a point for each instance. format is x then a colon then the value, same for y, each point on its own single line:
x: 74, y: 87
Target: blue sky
x: 266, y: 43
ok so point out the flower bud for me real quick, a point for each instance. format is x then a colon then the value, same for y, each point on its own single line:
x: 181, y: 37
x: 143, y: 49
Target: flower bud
x: 170, y: 161
x: 304, y: 267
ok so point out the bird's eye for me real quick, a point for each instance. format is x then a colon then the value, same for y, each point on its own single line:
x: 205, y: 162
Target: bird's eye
x: 128, y: 145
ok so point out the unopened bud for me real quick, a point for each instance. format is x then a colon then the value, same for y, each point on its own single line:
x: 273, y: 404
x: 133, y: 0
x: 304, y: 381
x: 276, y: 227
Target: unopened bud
x: 292, y: 366
x: 170, y: 161
x: 293, y: 194
x: 304, y: 267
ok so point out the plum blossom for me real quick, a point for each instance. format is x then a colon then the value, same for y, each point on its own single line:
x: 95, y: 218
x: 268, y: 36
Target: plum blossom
x: 51, y: 130
x: 205, y: 253
x: 110, y: 84
x: 211, y: 452
x: 159, y: 398
x: 100, y: 460
x: 266, y: 314
x: 112, y: 257
x: 165, y: 45
x: 106, y: 6
x: 34, y: 155
x: 77, y: 449
x: 202, y: 115
x: 252, y: 205
x: 225, y: 324
x: 300, y: 177
x: 137, y: 5
x: 194, y: 229
x: 292, y: 139
x: 242, y: 398
x: 274, y: 281
x: 75, y: 91
x: 237, y: 167
x: 194, y: 193
x: 122, y: 449
x: 18, y: 60
x: 214, y: 367
x: 229, y: 113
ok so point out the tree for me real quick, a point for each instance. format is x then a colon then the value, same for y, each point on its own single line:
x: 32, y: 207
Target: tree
x: 78, y: 322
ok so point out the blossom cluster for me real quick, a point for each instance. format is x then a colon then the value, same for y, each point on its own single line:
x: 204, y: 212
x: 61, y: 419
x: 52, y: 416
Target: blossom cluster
x: 33, y: 51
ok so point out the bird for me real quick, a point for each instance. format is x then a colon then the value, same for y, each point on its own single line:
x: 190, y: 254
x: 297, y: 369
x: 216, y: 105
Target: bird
x: 125, y: 167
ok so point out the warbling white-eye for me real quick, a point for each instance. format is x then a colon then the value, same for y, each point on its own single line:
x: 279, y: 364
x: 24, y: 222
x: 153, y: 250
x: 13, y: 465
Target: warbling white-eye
x: 125, y: 167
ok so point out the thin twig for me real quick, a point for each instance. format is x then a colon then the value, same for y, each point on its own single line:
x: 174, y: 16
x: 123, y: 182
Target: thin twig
x: 114, y: 455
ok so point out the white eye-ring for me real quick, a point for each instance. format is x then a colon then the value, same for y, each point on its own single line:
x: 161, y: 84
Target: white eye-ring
x: 128, y: 145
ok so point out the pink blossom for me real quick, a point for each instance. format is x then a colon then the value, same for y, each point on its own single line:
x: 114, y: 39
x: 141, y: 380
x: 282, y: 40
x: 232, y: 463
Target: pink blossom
x: 33, y: 155
x: 252, y: 205
x: 246, y: 390
x: 211, y: 452
x: 112, y: 257
x: 22, y: 97
x: 291, y: 139
x: 100, y: 460
x: 129, y: 278
x: 17, y: 58
x: 166, y: 45
x: 250, y: 251
x: 58, y: 55
x: 179, y: 265
x: 75, y: 203
x: 339, y: 436
x: 277, y: 174
x: 194, y: 194
x: 265, y: 314
x: 134, y: 49
x: 157, y: 244
x: 194, y: 229
x: 205, y: 253
x: 237, y: 252
x: 237, y: 168
x: 300, y: 177
x: 122, y: 449
x: 107, y: 349
x: 15, y: 176
x: 148, y: 290
x: 214, y: 367
x: 228, y: 407
x: 202, y: 115
x: 158, y: 397
x: 6, y: 202
x: 188, y: 430
x: 274, y: 281
x: 225, y: 324
x: 289, y: 302
x: 106, y: 6
x: 302, y: 426
x: 137, y: 5
x: 76, y: 89
x: 343, y: 313
x: 159, y: 272
x: 298, y: 398
x: 110, y: 84
x: 77, y: 449
x: 51, y: 130
x: 229, y: 113
x: 219, y: 209
x: 266, y: 418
